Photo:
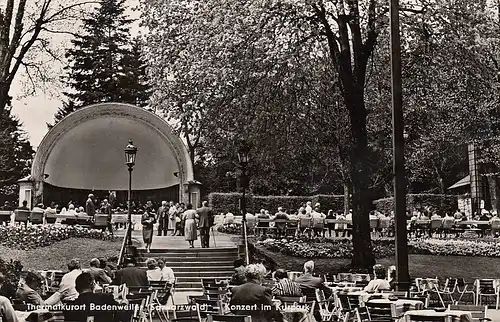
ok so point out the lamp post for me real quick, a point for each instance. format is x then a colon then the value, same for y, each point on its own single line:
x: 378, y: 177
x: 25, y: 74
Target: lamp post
x: 130, y: 153
x: 243, y: 160
x: 402, y: 275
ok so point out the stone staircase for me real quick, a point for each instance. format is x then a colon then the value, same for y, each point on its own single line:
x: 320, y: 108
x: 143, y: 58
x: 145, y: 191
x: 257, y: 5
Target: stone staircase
x: 190, y: 265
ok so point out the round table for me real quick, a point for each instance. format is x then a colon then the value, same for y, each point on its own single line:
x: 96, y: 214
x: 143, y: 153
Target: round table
x: 401, y: 305
x: 457, y: 316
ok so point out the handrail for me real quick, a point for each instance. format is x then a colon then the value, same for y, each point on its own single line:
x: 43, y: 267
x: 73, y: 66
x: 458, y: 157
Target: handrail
x: 124, y: 245
x: 246, y: 242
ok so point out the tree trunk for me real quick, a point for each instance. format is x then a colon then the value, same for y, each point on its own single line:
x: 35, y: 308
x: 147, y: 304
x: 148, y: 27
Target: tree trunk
x: 362, y: 257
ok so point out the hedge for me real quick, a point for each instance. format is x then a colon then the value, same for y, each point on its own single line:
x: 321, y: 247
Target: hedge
x: 229, y: 202
x: 446, y: 203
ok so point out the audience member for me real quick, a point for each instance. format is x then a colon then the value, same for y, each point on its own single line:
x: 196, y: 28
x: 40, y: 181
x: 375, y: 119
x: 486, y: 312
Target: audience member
x: 90, y: 205
x: 308, y: 280
x: 24, y: 206
x: 96, y: 307
x: 27, y: 291
x: 285, y: 287
x: 379, y: 283
x: 153, y: 273
x: 98, y: 273
x: 238, y: 277
x: 131, y: 275
x: 167, y: 274
x: 67, y: 290
x: 251, y: 294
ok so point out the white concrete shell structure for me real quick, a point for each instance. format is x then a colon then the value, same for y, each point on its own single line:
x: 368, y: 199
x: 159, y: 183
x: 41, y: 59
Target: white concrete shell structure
x: 85, y: 151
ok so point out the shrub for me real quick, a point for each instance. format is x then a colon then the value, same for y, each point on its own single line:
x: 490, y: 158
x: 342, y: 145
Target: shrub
x: 12, y: 273
x: 21, y: 236
x: 446, y: 203
x: 233, y: 229
x: 382, y: 247
x: 229, y: 202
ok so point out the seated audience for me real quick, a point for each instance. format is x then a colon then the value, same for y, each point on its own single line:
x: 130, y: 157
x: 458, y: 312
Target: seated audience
x: 281, y: 226
x: 71, y: 210
x: 251, y: 294
x: 98, y: 307
x: 379, y: 283
x: 167, y: 274
x: 229, y: 218
x: 103, y: 264
x: 67, y: 291
x: 285, y: 287
x: 98, y: 273
x: 27, y: 291
x: 131, y: 275
x: 308, y: 280
x: 7, y: 312
x: 238, y: 277
x: 24, y: 206
x: 153, y: 273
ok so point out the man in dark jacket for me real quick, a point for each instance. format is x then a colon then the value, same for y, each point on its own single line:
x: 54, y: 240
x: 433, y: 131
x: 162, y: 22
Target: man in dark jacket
x: 307, y: 280
x: 90, y: 306
x: 206, y: 221
x: 131, y: 275
x: 163, y: 218
x: 254, y: 299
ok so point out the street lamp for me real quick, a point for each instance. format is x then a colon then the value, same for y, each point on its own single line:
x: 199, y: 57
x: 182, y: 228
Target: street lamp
x: 398, y: 139
x: 243, y: 160
x: 130, y: 153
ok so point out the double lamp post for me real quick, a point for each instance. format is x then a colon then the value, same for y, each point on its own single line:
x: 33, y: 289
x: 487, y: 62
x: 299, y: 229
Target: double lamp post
x: 243, y: 151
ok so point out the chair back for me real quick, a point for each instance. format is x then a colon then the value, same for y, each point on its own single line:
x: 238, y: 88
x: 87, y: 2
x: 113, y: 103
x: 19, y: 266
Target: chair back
x: 362, y: 315
x: 450, y: 285
x: 373, y: 223
x: 101, y: 220
x: 318, y: 223
x: 36, y: 217
x: 228, y: 318
x: 251, y: 222
x: 361, y: 277
x: 291, y: 299
x: 381, y: 311
x: 305, y: 222
x: 436, y: 223
x: 345, y: 277
x: 485, y: 286
x: 309, y: 293
x: 206, y: 307
x: 448, y: 224
x: 21, y: 215
x: 5, y: 216
x: 478, y: 312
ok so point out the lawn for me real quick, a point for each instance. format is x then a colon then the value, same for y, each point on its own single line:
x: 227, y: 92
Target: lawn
x: 467, y: 267
x: 57, y: 255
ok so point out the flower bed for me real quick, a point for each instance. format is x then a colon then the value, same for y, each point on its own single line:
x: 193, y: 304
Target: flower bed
x: 233, y: 229
x: 22, y: 236
x: 382, y: 247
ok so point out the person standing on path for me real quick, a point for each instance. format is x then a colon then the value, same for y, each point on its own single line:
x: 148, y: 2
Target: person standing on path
x: 148, y: 221
x: 190, y: 231
x: 90, y: 206
x: 206, y: 221
x: 162, y: 219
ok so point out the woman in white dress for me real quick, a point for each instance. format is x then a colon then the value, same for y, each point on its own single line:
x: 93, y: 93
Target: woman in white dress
x: 189, y: 216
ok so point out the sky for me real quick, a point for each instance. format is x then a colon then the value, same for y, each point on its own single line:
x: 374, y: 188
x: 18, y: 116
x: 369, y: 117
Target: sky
x: 35, y: 111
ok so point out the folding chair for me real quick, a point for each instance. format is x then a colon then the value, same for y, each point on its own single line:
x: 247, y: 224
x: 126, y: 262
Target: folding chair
x: 362, y: 315
x: 326, y: 307
x: 462, y: 288
x: 207, y: 307
x: 345, y: 277
x: 487, y: 288
x: 478, y: 312
x: 382, y: 312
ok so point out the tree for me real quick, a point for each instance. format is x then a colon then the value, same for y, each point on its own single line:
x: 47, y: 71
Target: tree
x: 15, y: 151
x: 24, y: 39
x: 104, y: 63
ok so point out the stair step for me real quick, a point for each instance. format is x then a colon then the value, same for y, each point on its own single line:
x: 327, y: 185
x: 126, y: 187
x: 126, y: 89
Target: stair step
x: 197, y: 279
x: 187, y: 285
x: 177, y: 259
x: 194, y: 263
x: 218, y: 274
x: 189, y: 289
x: 190, y: 250
x: 198, y: 269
